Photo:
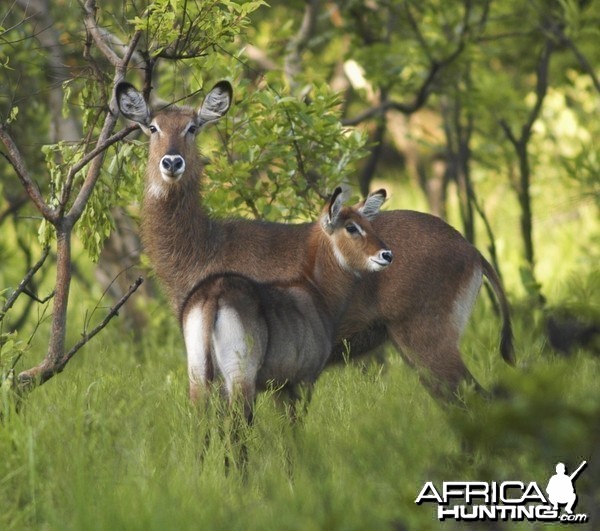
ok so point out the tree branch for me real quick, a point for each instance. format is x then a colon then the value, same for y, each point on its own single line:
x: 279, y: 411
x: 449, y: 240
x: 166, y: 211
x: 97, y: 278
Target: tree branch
x: 17, y: 161
x: 298, y: 43
x: 88, y: 157
x: 90, y: 9
x: 405, y: 108
x: 14, y: 205
x: 114, y: 311
x: 420, y: 98
x: 541, y: 88
x: 45, y: 371
x: 23, y: 284
x: 585, y: 64
x: 95, y: 157
x: 435, y: 67
x: 56, y: 358
x: 520, y: 145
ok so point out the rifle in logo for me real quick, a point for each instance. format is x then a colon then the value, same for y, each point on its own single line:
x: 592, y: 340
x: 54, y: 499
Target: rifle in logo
x: 560, y: 487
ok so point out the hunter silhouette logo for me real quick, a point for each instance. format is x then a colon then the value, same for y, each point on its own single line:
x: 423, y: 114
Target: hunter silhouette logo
x: 516, y: 501
x: 560, y: 487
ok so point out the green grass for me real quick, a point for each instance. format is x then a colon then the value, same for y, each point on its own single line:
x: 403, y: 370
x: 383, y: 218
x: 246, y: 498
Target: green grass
x: 114, y: 444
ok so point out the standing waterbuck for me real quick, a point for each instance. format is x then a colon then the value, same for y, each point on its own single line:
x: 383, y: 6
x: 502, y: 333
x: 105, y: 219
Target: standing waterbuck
x: 282, y: 333
x: 422, y: 302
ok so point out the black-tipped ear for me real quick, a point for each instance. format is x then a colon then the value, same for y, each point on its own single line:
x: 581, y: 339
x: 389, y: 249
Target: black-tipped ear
x: 332, y: 209
x: 216, y: 103
x: 335, y: 204
x: 132, y: 104
x: 372, y: 204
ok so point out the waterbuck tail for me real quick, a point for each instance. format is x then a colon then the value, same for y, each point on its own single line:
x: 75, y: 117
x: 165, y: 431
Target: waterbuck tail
x: 506, y: 340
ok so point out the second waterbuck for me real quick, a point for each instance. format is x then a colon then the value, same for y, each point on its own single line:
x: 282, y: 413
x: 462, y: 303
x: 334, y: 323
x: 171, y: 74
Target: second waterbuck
x: 255, y: 334
x: 421, y: 303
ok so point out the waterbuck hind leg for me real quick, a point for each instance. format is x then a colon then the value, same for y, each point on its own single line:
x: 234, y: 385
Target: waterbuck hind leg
x: 436, y: 357
x: 445, y: 377
x: 195, y: 324
x: 239, y: 343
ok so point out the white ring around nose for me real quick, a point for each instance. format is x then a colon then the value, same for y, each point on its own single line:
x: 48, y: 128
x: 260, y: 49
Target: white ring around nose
x: 172, y: 167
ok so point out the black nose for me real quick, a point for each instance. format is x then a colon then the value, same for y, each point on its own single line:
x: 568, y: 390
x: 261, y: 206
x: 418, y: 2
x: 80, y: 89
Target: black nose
x: 172, y: 163
x: 387, y: 256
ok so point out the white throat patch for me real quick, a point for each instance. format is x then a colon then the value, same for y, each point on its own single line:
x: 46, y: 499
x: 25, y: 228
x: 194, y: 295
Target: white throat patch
x: 157, y: 190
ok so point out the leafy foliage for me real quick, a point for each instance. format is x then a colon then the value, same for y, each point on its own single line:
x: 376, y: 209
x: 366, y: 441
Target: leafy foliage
x: 282, y: 156
x: 184, y: 30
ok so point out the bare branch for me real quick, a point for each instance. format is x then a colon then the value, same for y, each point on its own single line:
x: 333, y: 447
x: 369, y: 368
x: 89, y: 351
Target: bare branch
x: 259, y: 57
x: 95, y: 157
x: 405, y: 108
x: 88, y: 157
x: 435, y: 67
x: 21, y: 288
x: 508, y: 132
x: 17, y: 161
x: 35, y: 298
x: 541, y: 89
x: 585, y: 64
x: 45, y: 371
x: 105, y: 41
x: 14, y: 205
x: 114, y: 311
x: 90, y: 8
x: 298, y: 43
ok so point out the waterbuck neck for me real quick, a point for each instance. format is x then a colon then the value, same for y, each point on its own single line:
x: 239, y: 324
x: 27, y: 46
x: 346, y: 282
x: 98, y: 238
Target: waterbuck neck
x: 325, y: 273
x: 176, y: 232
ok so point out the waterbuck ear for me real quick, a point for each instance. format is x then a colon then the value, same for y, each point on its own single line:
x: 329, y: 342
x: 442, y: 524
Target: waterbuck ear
x: 216, y: 103
x: 371, y: 205
x: 132, y: 104
x: 332, y: 209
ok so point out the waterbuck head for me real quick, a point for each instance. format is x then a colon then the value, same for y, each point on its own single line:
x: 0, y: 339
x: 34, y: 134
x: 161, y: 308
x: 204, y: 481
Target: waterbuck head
x: 355, y: 244
x: 172, y: 130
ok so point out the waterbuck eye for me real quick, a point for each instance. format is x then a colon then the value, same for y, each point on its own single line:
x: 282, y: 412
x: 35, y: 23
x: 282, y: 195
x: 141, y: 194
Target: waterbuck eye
x: 351, y: 229
x: 152, y: 129
x: 192, y: 129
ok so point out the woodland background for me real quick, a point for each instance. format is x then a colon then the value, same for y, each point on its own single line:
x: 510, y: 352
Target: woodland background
x: 482, y: 112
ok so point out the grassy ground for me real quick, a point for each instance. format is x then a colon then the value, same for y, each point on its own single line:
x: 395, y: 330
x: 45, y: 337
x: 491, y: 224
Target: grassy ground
x: 114, y: 444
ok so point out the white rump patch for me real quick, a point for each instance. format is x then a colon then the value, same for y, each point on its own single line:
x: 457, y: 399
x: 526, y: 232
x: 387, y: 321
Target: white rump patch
x: 463, y: 305
x: 195, y: 345
x: 233, y: 347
